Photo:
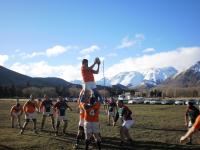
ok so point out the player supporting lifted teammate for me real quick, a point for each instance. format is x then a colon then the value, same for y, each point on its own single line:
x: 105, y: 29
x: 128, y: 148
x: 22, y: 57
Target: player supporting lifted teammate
x: 29, y: 109
x: 60, y: 107
x: 91, y: 119
x: 47, y: 108
x: 16, y: 112
x: 125, y: 113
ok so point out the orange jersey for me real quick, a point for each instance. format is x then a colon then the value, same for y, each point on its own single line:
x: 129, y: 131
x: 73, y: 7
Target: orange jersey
x: 91, y: 113
x: 16, y: 109
x: 39, y: 104
x: 87, y: 74
x: 81, y: 111
x: 30, y: 107
x: 197, y: 123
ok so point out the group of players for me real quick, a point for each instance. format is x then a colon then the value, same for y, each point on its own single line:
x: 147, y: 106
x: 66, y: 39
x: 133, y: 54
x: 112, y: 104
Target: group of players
x: 89, y: 103
x: 46, y: 107
x: 89, y: 108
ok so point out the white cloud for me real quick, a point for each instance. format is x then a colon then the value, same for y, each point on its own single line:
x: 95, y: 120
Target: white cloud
x: 43, y: 69
x: 89, y: 49
x: 3, y: 59
x: 56, y: 50
x: 34, y: 54
x: 127, y: 43
x: 181, y: 59
x: 148, y: 50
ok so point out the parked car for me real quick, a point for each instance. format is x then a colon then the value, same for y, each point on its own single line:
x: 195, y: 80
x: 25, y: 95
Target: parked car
x: 155, y: 101
x: 179, y: 102
x: 131, y: 101
x: 121, y: 97
x: 147, y: 101
x: 195, y: 102
x: 167, y: 102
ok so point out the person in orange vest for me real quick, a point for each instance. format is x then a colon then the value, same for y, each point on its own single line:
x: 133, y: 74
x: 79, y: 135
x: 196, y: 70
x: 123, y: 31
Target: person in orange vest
x: 91, y: 107
x: 15, y: 112
x: 87, y: 73
x: 30, y: 108
x: 80, y: 134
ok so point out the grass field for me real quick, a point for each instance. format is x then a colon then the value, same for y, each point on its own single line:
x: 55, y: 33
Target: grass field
x: 156, y: 127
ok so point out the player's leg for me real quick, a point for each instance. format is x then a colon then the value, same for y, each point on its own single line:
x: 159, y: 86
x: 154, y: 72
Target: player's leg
x: 43, y: 121
x: 19, y: 121
x: 65, y: 126
x: 24, y: 125
x: 53, y: 122
x: 12, y: 119
x: 35, y: 125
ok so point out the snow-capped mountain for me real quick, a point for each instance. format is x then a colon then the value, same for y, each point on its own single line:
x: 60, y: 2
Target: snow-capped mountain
x: 195, y: 68
x: 132, y: 78
x: 155, y: 76
x: 104, y: 81
x: 152, y: 76
x: 188, y: 78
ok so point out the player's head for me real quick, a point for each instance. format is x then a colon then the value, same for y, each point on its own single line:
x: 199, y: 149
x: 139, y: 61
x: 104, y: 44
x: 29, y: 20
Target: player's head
x: 46, y: 97
x: 93, y: 99
x: 17, y: 102
x: 60, y: 98
x: 120, y: 103
x: 84, y: 62
x: 31, y: 97
x: 190, y: 103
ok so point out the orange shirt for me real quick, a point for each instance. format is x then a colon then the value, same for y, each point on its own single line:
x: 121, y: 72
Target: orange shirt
x: 29, y: 107
x: 16, y: 109
x: 87, y: 74
x: 81, y: 111
x: 91, y: 113
x: 197, y: 123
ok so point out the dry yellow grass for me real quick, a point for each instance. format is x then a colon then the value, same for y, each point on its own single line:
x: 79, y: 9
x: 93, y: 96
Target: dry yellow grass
x: 156, y: 127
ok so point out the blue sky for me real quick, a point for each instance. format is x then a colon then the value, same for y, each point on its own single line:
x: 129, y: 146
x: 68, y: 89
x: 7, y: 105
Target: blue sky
x: 49, y: 38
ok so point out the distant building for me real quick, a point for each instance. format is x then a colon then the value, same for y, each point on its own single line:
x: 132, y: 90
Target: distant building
x: 138, y: 94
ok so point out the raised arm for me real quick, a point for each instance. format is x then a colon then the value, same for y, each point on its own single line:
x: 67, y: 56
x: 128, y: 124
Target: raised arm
x: 96, y: 71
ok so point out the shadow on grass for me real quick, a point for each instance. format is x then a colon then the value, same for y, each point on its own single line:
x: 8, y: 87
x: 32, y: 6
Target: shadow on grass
x: 114, y: 143
x: 3, y: 147
x: 109, y: 143
x: 160, y: 129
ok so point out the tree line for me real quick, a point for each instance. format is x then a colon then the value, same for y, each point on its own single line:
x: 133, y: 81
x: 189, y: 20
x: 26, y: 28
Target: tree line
x: 24, y: 92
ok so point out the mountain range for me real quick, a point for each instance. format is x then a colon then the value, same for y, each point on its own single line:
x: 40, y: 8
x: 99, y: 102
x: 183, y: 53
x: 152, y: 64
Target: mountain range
x: 152, y: 77
x: 9, y: 78
x: 188, y: 78
x: 167, y: 76
x: 148, y: 78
